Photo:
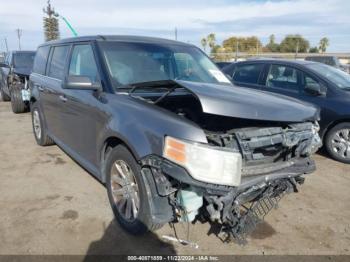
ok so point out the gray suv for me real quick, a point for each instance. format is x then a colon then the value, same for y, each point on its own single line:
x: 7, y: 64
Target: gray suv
x: 172, y: 139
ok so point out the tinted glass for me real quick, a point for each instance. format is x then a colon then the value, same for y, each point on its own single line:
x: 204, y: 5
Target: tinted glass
x: 40, y: 60
x: 83, y: 62
x: 58, y: 61
x: 282, y: 77
x: 248, y: 73
x: 24, y: 60
x: 130, y: 63
x: 229, y: 69
x: 334, y: 75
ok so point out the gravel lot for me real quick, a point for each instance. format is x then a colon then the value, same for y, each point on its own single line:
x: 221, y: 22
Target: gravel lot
x: 50, y: 205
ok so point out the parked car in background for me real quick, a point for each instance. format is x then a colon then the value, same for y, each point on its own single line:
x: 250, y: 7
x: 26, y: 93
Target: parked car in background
x: 222, y: 64
x: 15, y: 71
x: 329, y: 60
x: 316, y: 83
x: 168, y: 134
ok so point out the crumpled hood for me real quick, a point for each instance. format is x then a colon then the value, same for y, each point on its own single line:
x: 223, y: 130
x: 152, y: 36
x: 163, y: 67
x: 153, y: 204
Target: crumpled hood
x: 233, y: 101
x: 25, y: 71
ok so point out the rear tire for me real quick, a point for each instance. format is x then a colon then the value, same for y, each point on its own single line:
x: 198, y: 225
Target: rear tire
x: 133, y: 190
x: 39, y: 129
x: 17, y: 103
x: 4, y: 97
x: 337, y: 142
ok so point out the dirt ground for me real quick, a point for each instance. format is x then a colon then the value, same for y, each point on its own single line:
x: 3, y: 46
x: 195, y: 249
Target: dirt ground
x: 50, y: 205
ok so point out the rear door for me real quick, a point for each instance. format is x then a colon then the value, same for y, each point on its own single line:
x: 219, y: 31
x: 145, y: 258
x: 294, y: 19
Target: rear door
x: 83, y: 109
x: 51, y: 90
x: 248, y: 75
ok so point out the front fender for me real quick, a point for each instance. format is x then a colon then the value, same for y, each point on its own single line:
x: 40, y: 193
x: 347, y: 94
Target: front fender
x: 142, y: 126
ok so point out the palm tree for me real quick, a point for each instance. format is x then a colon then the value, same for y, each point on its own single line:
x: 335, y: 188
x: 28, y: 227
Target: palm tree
x: 204, y: 43
x: 324, y: 43
x: 211, y: 40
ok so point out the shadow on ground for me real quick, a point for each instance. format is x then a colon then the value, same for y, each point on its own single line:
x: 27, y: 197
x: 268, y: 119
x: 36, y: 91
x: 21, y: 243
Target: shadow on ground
x: 115, y: 241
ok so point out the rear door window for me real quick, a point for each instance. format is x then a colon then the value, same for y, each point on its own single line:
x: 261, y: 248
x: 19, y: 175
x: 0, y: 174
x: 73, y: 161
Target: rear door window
x: 248, y: 73
x: 58, y: 62
x: 41, y: 59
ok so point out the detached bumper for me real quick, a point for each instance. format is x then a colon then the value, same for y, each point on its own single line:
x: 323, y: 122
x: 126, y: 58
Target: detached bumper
x: 163, y: 167
x: 235, y: 210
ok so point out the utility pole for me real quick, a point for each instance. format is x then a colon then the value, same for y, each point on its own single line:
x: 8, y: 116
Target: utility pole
x: 19, y: 34
x: 175, y: 33
x: 7, y: 48
x: 297, y: 49
x: 236, y: 58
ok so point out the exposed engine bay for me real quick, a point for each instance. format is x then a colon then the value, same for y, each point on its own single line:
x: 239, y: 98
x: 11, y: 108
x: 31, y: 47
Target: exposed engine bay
x: 275, y: 155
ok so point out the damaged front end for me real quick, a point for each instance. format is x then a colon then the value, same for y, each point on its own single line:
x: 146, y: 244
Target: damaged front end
x: 258, y: 148
x: 271, y: 163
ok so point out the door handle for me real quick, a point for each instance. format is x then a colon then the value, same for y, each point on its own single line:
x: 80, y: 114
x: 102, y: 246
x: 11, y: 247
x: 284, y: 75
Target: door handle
x: 63, y: 98
x: 40, y: 88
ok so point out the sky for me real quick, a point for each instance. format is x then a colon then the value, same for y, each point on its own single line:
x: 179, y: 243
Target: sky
x: 193, y: 19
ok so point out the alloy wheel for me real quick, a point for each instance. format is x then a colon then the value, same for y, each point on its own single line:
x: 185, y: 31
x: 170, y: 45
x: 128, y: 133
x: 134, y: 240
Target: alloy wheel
x: 341, y: 143
x: 125, y: 190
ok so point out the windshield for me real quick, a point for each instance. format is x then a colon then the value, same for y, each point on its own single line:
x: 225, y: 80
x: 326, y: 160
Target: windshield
x: 336, y: 76
x: 24, y: 59
x: 131, y: 63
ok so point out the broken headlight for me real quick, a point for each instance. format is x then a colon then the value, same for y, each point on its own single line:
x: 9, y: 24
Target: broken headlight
x: 205, y: 163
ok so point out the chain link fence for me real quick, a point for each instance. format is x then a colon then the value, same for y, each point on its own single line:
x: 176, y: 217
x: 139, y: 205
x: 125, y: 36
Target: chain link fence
x: 344, y: 58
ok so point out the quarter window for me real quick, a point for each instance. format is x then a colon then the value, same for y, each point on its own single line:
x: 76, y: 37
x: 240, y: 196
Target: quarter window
x: 58, y: 61
x: 40, y: 60
x: 282, y: 77
x: 248, y: 73
x: 83, y: 63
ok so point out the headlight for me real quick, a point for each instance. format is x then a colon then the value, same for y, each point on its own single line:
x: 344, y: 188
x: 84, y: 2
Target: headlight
x: 205, y: 163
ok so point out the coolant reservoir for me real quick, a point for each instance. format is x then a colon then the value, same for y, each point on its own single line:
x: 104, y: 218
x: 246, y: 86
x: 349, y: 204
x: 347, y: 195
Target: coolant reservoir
x: 191, y: 200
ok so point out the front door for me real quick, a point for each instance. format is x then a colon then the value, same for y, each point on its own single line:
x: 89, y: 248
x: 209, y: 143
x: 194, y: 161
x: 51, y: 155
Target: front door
x: 83, y: 111
x: 283, y: 79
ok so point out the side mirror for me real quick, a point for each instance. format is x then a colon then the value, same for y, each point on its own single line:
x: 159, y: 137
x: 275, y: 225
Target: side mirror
x: 315, y: 89
x: 81, y: 83
x: 4, y: 65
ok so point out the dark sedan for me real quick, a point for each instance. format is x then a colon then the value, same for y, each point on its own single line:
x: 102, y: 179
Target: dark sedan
x: 322, y: 85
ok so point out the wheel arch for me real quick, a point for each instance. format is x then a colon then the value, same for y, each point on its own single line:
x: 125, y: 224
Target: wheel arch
x: 333, y: 124
x: 109, y: 143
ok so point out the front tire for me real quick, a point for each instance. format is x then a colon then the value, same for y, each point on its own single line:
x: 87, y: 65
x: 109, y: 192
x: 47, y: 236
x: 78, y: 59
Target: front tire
x: 338, y: 142
x: 17, y: 103
x: 39, y: 130
x: 127, y: 192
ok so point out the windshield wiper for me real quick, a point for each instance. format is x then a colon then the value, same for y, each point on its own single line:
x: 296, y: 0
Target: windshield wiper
x: 170, y: 85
